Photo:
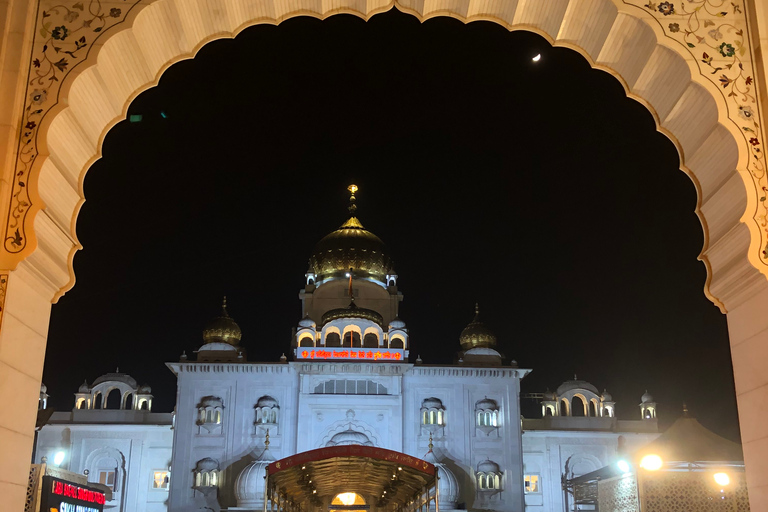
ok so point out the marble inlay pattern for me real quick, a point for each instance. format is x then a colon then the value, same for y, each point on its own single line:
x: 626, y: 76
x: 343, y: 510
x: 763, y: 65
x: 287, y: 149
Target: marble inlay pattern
x: 715, y: 33
x: 711, y: 33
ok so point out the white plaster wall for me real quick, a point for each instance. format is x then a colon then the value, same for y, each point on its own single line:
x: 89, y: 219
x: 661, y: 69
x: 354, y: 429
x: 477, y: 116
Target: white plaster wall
x: 145, y: 449
x: 546, y: 451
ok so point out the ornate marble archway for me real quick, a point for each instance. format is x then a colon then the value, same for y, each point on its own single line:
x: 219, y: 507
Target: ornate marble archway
x: 79, y: 63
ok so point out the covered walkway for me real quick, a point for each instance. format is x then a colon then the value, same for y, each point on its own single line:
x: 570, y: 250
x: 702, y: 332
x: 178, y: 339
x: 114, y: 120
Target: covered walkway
x: 381, y: 479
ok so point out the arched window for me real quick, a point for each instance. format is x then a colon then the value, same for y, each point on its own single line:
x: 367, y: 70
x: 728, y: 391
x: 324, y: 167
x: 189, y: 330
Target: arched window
x: 396, y: 342
x: 209, y: 414
x: 128, y: 401
x: 593, y: 407
x: 207, y: 473
x: 81, y: 403
x: 433, y: 413
x: 332, y: 339
x: 97, y: 401
x: 352, y: 339
x: 564, y: 409
x: 113, y: 399
x: 578, y: 407
x: 306, y: 341
x: 144, y: 405
x: 370, y: 340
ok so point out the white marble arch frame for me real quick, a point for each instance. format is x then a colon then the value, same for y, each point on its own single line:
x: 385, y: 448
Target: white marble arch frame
x: 625, y: 38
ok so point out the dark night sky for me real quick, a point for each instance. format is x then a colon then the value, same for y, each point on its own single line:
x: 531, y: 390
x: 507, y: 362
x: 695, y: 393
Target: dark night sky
x: 538, y: 190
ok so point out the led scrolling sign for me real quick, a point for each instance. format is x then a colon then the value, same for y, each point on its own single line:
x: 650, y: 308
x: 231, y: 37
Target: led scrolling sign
x: 351, y: 353
x: 62, y: 496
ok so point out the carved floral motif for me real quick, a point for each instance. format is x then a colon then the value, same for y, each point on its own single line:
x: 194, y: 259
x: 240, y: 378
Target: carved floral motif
x: 64, y: 36
x: 715, y: 33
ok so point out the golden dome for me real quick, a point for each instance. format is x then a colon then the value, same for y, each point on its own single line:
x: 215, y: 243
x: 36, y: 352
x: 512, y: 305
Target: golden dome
x: 476, y: 334
x: 351, y: 246
x: 222, y: 329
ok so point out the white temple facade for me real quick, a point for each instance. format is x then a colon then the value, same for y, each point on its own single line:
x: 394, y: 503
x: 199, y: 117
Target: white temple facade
x: 112, y: 435
x: 349, y: 381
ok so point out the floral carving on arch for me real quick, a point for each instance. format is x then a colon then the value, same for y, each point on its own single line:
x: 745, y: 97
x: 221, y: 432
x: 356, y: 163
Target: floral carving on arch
x: 710, y: 35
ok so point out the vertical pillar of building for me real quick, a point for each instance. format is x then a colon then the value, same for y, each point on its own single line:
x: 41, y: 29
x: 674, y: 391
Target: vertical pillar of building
x: 23, y: 337
x: 748, y: 333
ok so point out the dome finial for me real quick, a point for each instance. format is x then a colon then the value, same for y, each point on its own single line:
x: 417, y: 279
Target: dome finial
x: 430, y: 442
x: 266, y: 441
x: 352, y: 206
x: 685, y: 410
x: 224, y: 306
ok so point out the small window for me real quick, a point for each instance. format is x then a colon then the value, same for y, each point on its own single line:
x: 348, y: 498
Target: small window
x: 107, y: 478
x: 161, y: 479
x: 532, y: 484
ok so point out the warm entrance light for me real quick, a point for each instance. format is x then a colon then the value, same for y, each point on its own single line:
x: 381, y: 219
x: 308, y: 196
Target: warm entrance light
x: 347, y: 498
x: 722, y: 479
x: 651, y: 462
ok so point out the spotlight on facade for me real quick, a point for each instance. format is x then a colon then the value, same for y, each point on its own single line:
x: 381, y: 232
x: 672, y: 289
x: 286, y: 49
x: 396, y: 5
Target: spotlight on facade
x: 537, y: 58
x: 58, y: 458
x: 651, y: 462
x: 722, y: 478
x: 623, y: 466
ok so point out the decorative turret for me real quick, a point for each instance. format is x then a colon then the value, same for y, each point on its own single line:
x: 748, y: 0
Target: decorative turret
x: 647, y: 406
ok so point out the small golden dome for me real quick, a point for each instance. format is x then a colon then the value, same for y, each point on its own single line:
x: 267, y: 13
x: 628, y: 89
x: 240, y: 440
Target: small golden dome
x: 222, y: 329
x: 351, y: 247
x: 476, y: 334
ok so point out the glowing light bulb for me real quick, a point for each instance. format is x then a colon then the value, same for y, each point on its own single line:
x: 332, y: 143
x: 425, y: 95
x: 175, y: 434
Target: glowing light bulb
x: 623, y: 466
x: 722, y: 479
x: 58, y: 458
x: 651, y: 462
x: 537, y: 58
x: 347, y: 498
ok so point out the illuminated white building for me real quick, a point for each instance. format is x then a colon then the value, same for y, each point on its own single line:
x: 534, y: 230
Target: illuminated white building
x: 350, y: 382
x: 112, y: 435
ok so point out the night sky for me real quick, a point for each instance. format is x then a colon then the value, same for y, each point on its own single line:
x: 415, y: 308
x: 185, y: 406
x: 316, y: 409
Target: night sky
x: 538, y: 190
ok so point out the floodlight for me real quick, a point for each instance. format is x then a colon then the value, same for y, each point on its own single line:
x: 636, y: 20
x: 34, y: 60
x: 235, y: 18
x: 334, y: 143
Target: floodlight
x: 58, y: 458
x: 651, y: 462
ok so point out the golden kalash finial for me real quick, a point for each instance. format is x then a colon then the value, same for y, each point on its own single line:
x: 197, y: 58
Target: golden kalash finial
x: 430, y: 442
x: 266, y: 441
x: 352, y: 206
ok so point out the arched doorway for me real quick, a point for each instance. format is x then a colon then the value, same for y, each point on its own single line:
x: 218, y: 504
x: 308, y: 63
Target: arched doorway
x: 697, y: 116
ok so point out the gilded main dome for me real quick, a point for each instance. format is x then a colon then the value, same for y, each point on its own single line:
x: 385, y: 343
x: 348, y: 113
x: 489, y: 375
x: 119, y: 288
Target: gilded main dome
x: 351, y: 246
x: 476, y: 334
x: 222, y: 329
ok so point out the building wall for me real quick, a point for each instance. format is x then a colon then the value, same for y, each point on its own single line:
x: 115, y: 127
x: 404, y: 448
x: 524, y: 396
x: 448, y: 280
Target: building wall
x: 140, y: 449
x: 545, y: 453
x: 308, y: 420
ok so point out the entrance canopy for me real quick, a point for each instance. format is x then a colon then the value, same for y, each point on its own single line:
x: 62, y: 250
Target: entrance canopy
x: 382, y: 477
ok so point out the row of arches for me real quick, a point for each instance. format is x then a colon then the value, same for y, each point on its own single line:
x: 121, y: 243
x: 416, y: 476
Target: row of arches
x: 351, y: 339
x: 578, y: 406
x: 113, y: 400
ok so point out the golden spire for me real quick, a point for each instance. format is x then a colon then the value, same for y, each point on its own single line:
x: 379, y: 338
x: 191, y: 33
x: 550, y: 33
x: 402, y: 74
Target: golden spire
x: 266, y: 441
x: 430, y: 442
x: 352, y: 206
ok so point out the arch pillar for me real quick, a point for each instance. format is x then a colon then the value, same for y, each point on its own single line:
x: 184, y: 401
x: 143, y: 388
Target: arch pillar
x: 23, y: 338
